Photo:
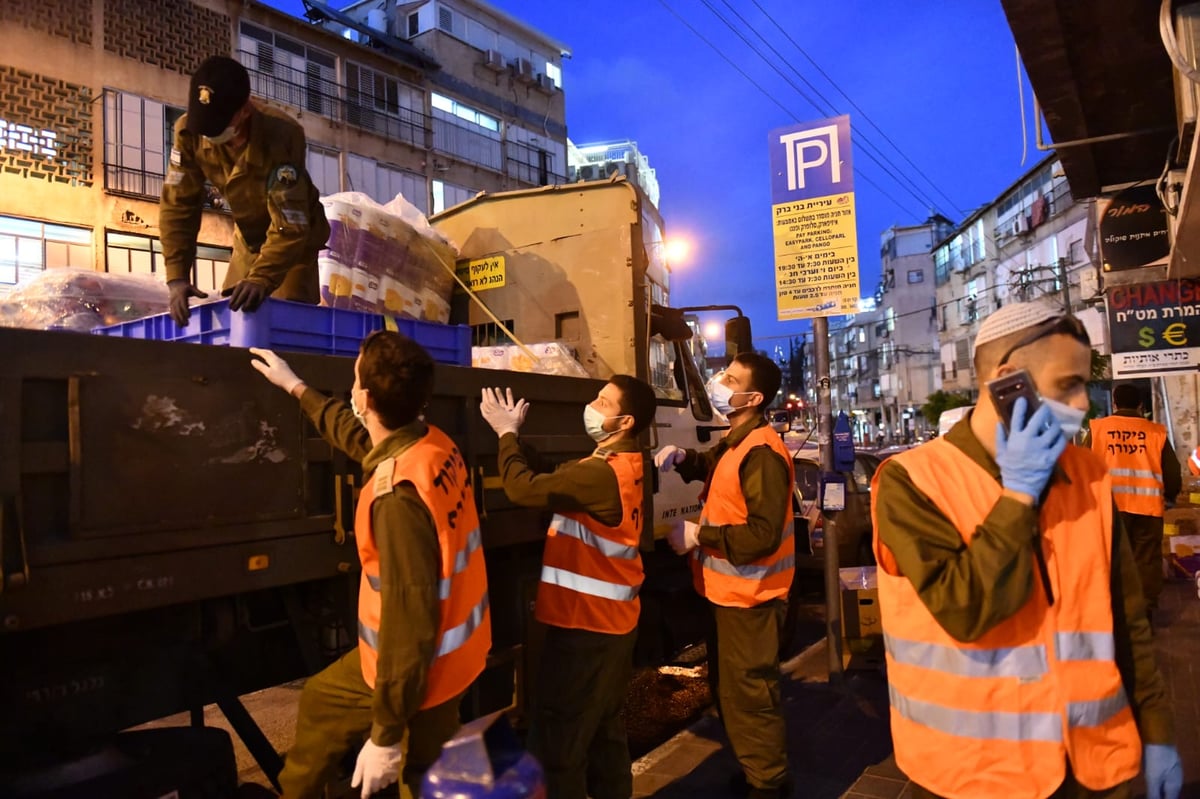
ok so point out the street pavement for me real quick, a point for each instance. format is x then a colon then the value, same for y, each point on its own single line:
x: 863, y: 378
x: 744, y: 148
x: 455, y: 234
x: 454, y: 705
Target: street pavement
x: 839, y: 744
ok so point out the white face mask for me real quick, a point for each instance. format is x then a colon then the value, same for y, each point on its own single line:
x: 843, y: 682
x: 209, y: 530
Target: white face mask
x: 593, y: 422
x: 360, y: 415
x: 1069, y: 419
x: 224, y: 136
x: 722, y: 395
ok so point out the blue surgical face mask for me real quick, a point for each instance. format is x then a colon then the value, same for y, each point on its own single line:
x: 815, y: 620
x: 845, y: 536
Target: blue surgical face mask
x: 593, y: 422
x: 722, y: 395
x: 1069, y: 419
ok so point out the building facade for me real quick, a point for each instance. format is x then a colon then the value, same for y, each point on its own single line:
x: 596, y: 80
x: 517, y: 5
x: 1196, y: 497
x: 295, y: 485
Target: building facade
x: 1031, y: 242
x: 437, y: 102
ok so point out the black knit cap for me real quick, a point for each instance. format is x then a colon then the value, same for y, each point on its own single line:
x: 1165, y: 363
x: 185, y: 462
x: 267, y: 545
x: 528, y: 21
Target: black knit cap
x: 220, y: 86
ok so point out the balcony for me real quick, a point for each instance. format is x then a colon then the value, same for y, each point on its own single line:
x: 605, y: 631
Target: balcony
x: 530, y: 165
x: 146, y: 184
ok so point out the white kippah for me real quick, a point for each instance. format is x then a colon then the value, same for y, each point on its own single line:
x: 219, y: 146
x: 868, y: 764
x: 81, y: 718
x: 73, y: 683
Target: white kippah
x: 1014, y: 318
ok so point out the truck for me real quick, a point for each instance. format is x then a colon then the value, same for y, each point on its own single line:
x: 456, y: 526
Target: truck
x: 173, y: 532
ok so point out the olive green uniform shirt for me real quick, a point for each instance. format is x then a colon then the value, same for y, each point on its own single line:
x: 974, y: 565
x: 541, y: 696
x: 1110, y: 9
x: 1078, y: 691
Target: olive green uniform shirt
x: 279, y: 220
x: 765, y: 487
x: 409, y: 567
x: 588, y: 486
x: 971, y: 589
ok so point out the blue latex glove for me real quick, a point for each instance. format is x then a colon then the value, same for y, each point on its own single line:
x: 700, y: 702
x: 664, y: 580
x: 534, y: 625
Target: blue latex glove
x: 1164, y: 771
x: 1028, y: 452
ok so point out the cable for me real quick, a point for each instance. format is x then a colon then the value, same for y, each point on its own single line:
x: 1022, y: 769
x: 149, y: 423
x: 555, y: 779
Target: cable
x: 925, y: 200
x: 1021, y: 103
x: 855, y: 106
x: 773, y: 99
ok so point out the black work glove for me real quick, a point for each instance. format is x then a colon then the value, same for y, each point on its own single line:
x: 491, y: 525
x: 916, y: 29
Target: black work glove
x: 181, y: 290
x: 247, y: 295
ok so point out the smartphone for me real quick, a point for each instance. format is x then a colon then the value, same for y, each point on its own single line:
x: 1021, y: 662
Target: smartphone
x: 1006, y: 390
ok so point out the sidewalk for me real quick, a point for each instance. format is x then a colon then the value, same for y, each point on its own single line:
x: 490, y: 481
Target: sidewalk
x: 839, y: 745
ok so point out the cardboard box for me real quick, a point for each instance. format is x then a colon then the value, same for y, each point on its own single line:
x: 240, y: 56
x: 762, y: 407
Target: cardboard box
x: 862, y: 627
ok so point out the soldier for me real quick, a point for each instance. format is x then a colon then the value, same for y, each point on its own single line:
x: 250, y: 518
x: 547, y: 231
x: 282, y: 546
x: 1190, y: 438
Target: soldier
x: 254, y: 156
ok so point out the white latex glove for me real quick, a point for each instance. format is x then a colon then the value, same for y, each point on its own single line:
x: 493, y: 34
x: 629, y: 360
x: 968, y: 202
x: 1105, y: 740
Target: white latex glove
x: 377, y: 767
x: 669, y: 457
x: 684, y: 538
x: 501, y: 412
x: 275, y: 369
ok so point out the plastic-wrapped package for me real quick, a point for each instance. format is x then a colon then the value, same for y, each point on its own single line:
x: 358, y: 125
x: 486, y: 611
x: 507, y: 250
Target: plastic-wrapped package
x: 82, y: 299
x: 549, y: 358
x: 385, y: 259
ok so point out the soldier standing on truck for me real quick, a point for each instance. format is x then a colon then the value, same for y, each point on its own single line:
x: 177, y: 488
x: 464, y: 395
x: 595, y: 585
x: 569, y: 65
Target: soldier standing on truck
x: 588, y: 594
x: 424, y: 629
x: 743, y: 559
x: 255, y: 157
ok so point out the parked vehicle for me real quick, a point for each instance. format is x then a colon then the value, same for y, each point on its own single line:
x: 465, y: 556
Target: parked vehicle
x: 949, y: 418
x: 853, y: 524
x: 780, y: 420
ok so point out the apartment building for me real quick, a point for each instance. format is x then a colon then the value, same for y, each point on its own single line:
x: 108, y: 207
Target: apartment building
x: 1029, y: 243
x: 434, y: 100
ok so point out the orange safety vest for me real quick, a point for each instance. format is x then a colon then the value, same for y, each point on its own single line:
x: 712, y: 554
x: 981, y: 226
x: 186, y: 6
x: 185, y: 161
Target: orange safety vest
x: 436, y: 469
x: 1001, y: 715
x: 1132, y: 448
x: 759, y: 581
x: 1194, y: 462
x: 592, y: 573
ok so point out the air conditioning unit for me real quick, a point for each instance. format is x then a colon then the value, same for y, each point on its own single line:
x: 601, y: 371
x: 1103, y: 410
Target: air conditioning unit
x: 493, y: 60
x: 545, y: 83
x: 523, y: 69
x: 586, y: 172
x: 1020, y: 225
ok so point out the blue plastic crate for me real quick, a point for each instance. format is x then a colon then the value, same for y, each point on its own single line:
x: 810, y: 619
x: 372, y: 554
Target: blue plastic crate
x: 294, y: 327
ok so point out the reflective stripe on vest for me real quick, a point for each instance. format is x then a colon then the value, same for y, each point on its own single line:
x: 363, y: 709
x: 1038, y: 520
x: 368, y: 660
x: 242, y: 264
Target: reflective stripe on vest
x: 609, y: 549
x: 589, y: 585
x: 592, y: 573
x: 1035, y: 691
x: 434, y: 467
x: 749, y: 584
x: 461, y: 560
x: 1194, y: 462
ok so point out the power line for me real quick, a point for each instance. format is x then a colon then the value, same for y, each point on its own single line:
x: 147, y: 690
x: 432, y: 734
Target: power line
x: 771, y: 97
x: 855, y: 105
x: 831, y: 110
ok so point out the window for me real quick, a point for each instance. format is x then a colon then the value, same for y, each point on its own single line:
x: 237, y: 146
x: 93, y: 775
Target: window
x: 1075, y: 253
x: 137, y: 138
x: 28, y: 247
x: 143, y: 255
x: 466, y: 132
x: 414, y: 24
x: 382, y: 182
x: 287, y: 70
x: 385, y: 105
x: 445, y: 19
x: 916, y: 276
x: 448, y: 195
x: 325, y: 170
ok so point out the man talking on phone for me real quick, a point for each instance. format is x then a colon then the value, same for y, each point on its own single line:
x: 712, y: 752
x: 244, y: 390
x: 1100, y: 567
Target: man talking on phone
x: 1019, y: 657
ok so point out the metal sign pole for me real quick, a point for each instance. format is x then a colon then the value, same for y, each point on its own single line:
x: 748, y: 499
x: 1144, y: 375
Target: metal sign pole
x: 833, y: 591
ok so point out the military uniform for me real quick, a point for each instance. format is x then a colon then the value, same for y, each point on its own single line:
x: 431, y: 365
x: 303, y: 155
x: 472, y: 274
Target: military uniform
x: 591, y: 574
x: 279, y: 222
x: 745, y: 632
x: 971, y: 597
x: 337, y: 707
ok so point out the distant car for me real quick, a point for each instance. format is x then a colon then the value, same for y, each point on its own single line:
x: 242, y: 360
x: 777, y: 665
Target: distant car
x: 949, y: 418
x: 853, y: 523
x: 887, y: 452
x: 781, y: 421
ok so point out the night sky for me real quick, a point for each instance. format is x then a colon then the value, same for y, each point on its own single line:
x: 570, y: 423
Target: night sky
x: 931, y: 89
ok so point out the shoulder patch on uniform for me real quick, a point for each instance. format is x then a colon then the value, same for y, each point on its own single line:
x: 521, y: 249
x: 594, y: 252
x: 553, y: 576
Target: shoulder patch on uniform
x: 286, y: 175
x: 176, y: 158
x: 384, y: 475
x: 295, y: 216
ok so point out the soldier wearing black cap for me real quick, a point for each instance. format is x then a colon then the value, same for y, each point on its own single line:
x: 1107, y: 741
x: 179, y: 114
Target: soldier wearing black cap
x: 255, y: 157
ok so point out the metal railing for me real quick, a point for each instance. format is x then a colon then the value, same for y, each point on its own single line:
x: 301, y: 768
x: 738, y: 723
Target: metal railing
x: 531, y: 165
x: 403, y: 124
x: 466, y: 144
x: 290, y: 86
x: 147, y: 184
